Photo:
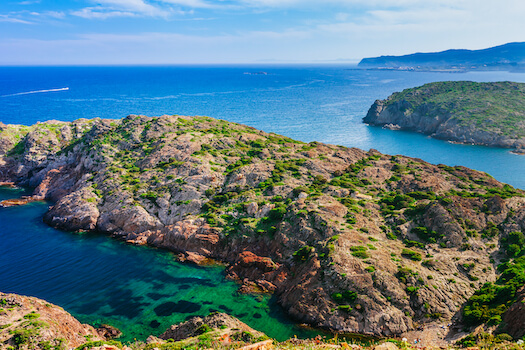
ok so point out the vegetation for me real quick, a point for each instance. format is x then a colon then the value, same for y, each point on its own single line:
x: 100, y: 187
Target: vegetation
x: 493, y: 299
x: 493, y: 107
x: 338, y: 210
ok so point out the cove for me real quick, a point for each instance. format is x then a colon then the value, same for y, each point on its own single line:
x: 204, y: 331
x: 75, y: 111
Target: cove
x: 100, y: 280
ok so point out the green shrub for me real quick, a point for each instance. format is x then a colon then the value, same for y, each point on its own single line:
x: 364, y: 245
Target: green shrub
x: 514, y: 244
x: 97, y: 343
x: 203, y: 329
x: 492, y: 300
x: 412, y: 255
x: 303, y: 254
x: 150, y: 195
x: 359, y: 251
x: 346, y: 308
x: 502, y: 337
x: 412, y: 289
x: 277, y: 213
x: 31, y: 316
x: 23, y: 336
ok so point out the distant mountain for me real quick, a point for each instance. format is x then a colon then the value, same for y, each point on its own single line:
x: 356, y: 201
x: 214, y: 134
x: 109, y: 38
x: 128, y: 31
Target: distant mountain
x: 507, y: 56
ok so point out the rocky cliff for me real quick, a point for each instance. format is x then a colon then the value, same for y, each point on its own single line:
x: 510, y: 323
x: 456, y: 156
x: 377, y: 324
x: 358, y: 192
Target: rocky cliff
x: 348, y: 240
x: 491, y: 114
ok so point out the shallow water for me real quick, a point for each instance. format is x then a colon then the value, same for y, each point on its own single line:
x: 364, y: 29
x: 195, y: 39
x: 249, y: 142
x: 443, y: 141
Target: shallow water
x: 143, y: 290
x: 99, y: 280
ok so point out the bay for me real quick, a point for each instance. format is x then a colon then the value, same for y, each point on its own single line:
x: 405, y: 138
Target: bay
x: 142, y: 290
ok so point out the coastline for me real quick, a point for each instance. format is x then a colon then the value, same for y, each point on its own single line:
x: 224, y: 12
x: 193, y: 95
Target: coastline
x: 289, y: 217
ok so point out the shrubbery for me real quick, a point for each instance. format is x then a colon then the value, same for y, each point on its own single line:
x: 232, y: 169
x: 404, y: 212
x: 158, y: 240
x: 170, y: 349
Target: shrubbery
x: 492, y: 300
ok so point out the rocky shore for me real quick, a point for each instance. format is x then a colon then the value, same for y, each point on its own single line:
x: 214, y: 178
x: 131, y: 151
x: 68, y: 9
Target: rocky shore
x: 348, y: 240
x: 28, y: 323
x: 453, y: 111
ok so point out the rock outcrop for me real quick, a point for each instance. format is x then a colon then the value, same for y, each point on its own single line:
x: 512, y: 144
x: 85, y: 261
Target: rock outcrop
x: 348, y: 240
x: 463, y: 119
x: 195, y: 326
x: 31, y: 323
x: 514, y: 317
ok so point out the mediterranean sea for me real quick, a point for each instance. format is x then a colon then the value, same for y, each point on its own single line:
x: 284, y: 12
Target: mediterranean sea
x: 100, y: 280
x: 309, y: 103
x: 142, y: 290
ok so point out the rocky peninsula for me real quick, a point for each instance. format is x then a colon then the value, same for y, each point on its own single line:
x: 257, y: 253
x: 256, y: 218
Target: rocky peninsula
x: 490, y: 114
x: 348, y: 240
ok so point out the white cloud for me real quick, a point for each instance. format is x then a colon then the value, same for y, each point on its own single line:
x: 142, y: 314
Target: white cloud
x: 343, y: 29
x: 52, y: 14
x: 191, y: 3
x: 100, y: 13
x: 129, y: 5
x: 11, y: 19
x: 121, y: 8
x: 29, y: 2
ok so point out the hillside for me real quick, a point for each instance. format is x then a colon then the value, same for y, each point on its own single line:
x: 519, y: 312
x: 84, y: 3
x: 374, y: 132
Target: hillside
x: 509, y: 56
x: 348, y: 240
x: 491, y: 114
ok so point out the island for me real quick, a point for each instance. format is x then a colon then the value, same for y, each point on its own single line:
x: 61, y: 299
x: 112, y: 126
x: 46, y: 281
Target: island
x: 509, y: 57
x: 490, y: 114
x: 350, y: 241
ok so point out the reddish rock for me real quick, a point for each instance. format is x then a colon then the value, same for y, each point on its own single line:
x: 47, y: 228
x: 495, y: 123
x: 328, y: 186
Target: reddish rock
x: 248, y: 259
x: 514, y: 317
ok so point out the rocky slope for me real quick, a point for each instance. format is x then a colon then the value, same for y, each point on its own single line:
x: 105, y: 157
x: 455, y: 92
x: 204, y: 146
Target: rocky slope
x: 31, y: 323
x: 491, y: 114
x: 348, y: 240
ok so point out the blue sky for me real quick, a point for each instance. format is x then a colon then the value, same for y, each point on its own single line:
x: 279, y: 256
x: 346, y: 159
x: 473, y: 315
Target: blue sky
x: 44, y: 32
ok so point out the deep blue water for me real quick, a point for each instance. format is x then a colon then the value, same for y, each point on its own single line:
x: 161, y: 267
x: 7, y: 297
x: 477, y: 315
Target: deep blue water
x: 142, y: 290
x: 139, y: 290
x: 309, y: 103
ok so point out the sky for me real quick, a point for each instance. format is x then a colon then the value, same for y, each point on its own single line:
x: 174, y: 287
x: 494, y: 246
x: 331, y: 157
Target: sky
x: 109, y: 32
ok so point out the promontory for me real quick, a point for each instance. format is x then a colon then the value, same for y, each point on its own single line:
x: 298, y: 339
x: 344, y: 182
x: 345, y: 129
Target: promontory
x: 348, y: 240
x: 491, y: 114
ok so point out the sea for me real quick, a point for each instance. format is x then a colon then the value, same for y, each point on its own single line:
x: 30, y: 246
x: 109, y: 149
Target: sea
x: 143, y: 290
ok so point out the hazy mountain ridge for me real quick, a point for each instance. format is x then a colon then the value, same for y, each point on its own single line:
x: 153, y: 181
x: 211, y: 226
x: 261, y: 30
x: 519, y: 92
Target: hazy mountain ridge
x: 509, y: 56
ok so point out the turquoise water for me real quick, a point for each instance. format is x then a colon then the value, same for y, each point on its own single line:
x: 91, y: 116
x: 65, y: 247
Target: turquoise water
x: 308, y: 103
x: 100, y: 280
x: 142, y: 290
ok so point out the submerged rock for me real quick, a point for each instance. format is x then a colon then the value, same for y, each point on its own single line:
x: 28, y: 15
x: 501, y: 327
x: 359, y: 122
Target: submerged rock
x: 108, y: 332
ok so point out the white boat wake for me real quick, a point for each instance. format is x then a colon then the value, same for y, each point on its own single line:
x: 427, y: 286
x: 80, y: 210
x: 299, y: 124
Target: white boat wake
x: 36, y: 92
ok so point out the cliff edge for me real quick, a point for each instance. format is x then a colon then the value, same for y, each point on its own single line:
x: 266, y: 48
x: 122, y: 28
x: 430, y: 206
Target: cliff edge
x: 348, y: 240
x: 490, y: 114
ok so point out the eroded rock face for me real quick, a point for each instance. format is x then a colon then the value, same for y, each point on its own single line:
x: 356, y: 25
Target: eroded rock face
x: 41, y: 323
x: 426, y: 119
x: 76, y: 211
x: 348, y: 240
x: 514, y: 317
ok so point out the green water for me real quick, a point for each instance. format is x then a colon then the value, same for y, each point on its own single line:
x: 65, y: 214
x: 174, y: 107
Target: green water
x: 101, y: 280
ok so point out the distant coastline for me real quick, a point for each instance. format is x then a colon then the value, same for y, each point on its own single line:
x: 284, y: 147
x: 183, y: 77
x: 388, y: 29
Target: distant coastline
x: 507, y: 57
